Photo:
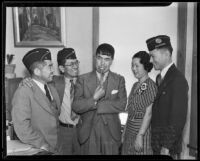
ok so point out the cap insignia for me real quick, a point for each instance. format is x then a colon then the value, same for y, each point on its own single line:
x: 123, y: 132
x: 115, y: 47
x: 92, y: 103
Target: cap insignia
x: 158, y: 40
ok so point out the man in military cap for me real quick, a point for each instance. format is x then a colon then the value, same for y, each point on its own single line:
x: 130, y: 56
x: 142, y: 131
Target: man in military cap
x: 35, y: 110
x: 170, y: 106
x: 100, y: 96
x: 69, y: 69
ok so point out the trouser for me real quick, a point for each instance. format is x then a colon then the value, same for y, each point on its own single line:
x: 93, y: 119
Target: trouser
x: 100, y: 142
x: 67, y: 141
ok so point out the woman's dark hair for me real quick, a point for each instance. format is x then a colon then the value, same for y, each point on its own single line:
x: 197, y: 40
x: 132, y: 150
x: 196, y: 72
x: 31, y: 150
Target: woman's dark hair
x: 144, y: 59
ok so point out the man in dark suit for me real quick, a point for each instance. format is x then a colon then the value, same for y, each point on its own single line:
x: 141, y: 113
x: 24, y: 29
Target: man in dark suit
x: 35, y: 110
x: 169, y: 109
x: 100, y: 96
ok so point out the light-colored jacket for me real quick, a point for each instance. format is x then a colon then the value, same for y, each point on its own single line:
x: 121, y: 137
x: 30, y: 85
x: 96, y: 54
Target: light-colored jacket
x: 35, y: 118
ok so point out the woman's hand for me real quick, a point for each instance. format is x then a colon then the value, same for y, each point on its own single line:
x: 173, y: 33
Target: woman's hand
x: 139, y: 143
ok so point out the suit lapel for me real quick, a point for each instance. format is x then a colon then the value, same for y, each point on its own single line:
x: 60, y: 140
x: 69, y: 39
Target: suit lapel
x: 167, y: 79
x: 41, y: 98
x: 60, y: 86
x: 92, y: 82
x: 55, y: 98
x: 110, y: 84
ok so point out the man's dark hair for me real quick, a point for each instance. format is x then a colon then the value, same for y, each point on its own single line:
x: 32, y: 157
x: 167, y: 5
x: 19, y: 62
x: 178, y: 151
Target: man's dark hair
x: 106, y: 49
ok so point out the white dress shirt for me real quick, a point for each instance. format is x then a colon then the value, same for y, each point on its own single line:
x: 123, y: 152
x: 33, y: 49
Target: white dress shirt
x: 164, y: 71
x: 104, y: 77
x: 65, y: 113
x: 41, y: 86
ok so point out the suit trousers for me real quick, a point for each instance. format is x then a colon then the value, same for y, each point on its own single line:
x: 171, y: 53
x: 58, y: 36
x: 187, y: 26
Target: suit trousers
x: 68, y: 142
x: 100, y: 141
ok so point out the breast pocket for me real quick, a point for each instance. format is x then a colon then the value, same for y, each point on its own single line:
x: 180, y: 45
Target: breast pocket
x: 114, y: 96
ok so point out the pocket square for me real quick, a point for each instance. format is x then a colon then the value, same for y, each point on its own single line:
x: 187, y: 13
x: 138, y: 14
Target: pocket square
x: 114, y: 91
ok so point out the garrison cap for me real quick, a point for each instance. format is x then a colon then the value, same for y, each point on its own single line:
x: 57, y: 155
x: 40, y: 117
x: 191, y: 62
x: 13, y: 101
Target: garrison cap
x: 158, y: 42
x: 38, y: 54
x: 66, y: 53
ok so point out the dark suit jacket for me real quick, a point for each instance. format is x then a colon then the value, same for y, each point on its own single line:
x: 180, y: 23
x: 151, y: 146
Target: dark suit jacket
x: 108, y: 108
x: 59, y: 82
x: 169, y: 111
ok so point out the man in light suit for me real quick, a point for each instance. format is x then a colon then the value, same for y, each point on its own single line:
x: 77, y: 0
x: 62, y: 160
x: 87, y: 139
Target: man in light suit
x: 169, y: 109
x: 35, y: 110
x: 100, y: 96
x: 69, y: 68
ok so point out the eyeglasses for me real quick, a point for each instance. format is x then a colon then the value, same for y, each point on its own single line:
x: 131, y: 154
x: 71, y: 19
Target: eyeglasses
x: 72, y: 64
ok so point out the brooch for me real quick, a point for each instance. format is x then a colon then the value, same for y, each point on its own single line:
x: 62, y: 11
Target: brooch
x: 142, y: 88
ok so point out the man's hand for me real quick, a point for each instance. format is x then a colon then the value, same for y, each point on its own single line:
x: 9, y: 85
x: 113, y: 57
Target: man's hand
x: 28, y: 82
x: 164, y: 151
x: 99, y: 93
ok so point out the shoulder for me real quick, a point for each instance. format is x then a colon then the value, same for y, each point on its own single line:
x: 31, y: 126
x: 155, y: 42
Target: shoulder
x: 151, y: 85
x: 116, y: 75
x: 86, y: 75
x: 23, y: 91
x: 179, y: 78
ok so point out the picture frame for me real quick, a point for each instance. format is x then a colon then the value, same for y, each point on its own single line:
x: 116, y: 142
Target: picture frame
x: 39, y: 26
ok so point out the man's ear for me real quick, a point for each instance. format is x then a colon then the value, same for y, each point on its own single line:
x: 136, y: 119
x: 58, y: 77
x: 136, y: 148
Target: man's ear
x: 61, y: 68
x: 37, y: 71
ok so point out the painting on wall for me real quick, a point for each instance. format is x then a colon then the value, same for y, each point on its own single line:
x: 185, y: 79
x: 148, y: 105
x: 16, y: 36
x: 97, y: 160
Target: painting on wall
x: 39, y: 26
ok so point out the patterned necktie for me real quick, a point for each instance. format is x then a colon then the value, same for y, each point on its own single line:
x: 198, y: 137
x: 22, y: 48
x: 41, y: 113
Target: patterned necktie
x: 101, y: 79
x: 47, y: 92
x: 72, y: 90
x: 158, y: 80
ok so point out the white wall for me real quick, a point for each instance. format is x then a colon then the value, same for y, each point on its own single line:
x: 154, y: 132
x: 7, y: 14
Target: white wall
x: 78, y: 36
x: 127, y: 29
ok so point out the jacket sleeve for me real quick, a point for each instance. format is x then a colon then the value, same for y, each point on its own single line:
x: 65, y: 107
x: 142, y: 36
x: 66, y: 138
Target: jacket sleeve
x: 117, y: 105
x: 178, y: 112
x: 21, y: 116
x: 81, y: 104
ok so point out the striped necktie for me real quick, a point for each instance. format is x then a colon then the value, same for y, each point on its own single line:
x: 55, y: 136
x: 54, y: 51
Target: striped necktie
x: 72, y: 90
x: 101, y: 79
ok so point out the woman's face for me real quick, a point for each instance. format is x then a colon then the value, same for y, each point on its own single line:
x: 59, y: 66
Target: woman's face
x: 138, y: 68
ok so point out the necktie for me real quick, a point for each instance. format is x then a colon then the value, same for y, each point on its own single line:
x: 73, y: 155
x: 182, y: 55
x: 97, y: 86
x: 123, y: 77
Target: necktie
x: 158, y: 80
x: 73, y: 115
x: 72, y: 90
x: 47, y: 92
x: 101, y: 79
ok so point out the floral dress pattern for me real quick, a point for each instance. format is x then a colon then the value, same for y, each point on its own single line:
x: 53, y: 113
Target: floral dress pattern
x: 138, y: 101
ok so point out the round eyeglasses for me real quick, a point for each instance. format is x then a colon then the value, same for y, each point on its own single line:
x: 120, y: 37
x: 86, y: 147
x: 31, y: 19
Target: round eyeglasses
x: 72, y: 64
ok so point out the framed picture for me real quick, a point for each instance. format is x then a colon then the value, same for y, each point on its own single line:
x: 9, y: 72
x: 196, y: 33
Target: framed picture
x: 39, y: 26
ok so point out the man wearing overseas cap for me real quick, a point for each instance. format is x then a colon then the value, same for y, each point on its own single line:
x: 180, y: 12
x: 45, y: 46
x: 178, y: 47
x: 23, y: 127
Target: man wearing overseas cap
x: 69, y: 69
x: 169, y: 109
x: 35, y: 110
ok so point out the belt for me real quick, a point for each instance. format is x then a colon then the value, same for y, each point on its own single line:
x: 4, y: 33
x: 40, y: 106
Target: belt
x: 66, y: 125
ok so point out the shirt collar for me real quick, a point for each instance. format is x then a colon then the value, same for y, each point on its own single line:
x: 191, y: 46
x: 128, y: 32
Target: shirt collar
x: 67, y: 80
x: 41, y: 85
x: 164, y: 71
x: 105, y: 74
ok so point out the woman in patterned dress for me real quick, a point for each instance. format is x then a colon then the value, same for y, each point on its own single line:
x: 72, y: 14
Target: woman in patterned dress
x: 136, y: 135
